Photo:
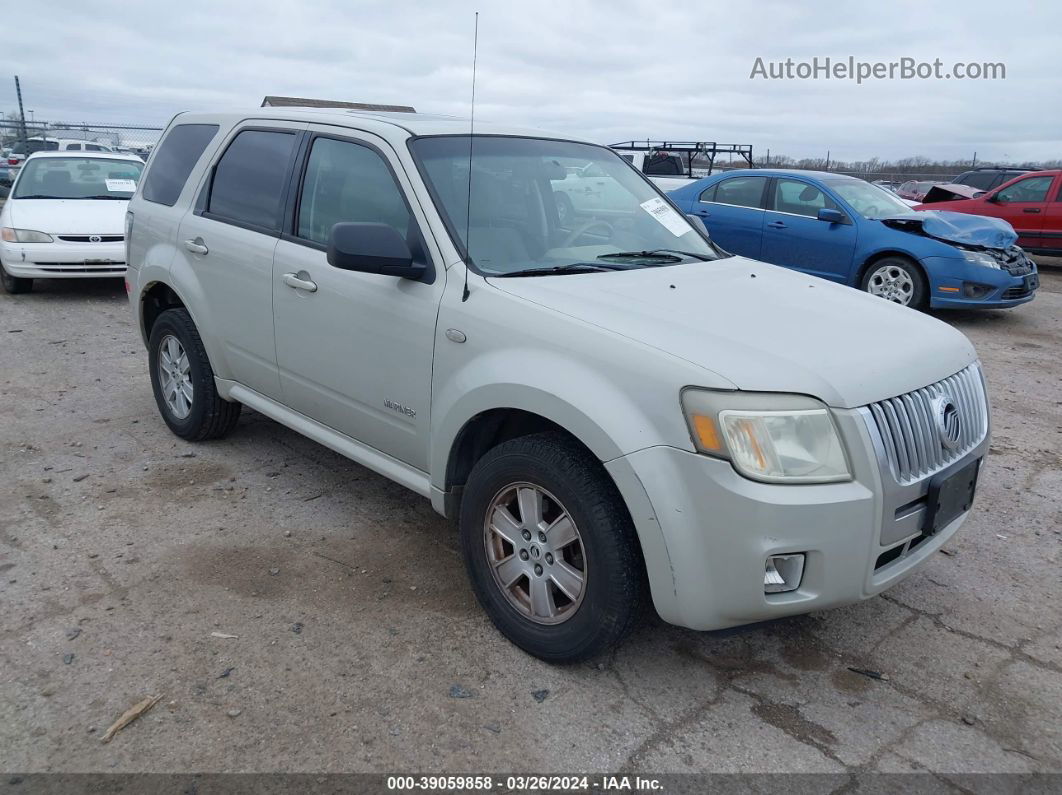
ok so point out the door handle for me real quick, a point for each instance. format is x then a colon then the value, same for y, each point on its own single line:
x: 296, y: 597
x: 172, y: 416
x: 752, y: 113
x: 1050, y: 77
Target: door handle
x: 705, y: 213
x: 292, y: 280
x: 1030, y: 209
x: 777, y: 225
x: 197, y: 246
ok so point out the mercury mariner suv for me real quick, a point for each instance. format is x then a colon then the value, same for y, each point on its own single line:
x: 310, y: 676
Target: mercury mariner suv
x: 610, y: 406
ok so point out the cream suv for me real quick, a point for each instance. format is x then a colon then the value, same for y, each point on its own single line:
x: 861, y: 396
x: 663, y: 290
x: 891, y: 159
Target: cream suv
x: 609, y: 406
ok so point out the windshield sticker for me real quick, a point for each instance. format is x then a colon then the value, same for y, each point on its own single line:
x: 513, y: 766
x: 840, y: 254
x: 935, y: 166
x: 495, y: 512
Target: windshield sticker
x: 121, y: 185
x: 666, y: 215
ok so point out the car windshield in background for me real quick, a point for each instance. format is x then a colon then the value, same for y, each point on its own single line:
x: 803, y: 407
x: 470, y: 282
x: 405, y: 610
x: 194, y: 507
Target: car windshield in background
x: 78, y: 178
x: 870, y: 201
x: 546, y: 205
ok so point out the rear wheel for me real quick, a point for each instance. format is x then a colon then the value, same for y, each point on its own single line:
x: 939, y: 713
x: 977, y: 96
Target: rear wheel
x: 183, y: 381
x: 898, y: 280
x: 14, y: 284
x: 550, y: 548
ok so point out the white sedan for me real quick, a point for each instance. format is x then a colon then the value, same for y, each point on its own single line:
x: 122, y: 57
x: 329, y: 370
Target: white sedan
x: 65, y: 217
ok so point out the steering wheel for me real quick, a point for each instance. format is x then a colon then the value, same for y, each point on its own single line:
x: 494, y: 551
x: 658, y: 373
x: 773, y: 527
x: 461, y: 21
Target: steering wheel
x: 582, y: 230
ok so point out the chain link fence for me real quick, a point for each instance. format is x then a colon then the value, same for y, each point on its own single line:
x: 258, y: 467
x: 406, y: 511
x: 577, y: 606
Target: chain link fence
x: 135, y: 138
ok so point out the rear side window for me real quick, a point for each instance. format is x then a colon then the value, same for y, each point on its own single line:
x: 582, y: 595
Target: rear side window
x: 742, y: 191
x: 174, y: 160
x: 93, y: 148
x: 249, y: 180
x: 982, y: 180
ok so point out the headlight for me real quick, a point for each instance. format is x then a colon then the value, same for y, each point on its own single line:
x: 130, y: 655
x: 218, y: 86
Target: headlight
x: 24, y: 236
x: 775, y: 438
x: 981, y: 258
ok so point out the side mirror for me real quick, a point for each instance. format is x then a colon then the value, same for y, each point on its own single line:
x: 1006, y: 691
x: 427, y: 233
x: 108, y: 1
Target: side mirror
x: 831, y: 216
x: 372, y: 248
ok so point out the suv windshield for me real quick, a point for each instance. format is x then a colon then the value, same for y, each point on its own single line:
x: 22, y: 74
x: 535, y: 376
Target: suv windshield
x: 870, y: 201
x: 538, y: 204
x: 78, y: 178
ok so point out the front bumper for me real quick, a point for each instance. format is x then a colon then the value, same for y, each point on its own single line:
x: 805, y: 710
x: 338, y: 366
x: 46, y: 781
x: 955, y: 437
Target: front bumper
x: 957, y: 284
x: 706, y: 532
x: 63, y: 260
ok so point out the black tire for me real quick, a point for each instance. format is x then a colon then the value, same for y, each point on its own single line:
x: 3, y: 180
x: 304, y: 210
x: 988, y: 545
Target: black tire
x: 14, y: 284
x: 210, y: 417
x: 615, y: 578
x: 918, y: 297
x: 565, y: 208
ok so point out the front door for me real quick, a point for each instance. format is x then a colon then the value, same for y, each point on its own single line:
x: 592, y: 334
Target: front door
x: 228, y: 241
x: 1023, y: 204
x: 355, y: 349
x: 794, y: 237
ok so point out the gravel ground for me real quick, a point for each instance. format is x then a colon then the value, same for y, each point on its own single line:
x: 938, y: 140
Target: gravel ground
x: 359, y: 647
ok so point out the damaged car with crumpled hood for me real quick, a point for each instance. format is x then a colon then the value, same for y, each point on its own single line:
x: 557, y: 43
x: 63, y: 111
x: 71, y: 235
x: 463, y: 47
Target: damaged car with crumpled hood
x: 849, y: 231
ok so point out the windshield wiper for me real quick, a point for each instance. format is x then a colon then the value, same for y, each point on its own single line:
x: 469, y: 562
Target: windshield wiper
x: 38, y: 196
x: 668, y: 254
x: 575, y: 267
x: 108, y: 196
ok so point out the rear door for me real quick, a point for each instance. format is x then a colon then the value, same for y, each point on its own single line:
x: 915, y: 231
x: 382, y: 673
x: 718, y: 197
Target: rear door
x: 733, y: 211
x: 794, y: 237
x: 228, y: 241
x: 1023, y: 203
x: 355, y: 349
x: 1051, y: 234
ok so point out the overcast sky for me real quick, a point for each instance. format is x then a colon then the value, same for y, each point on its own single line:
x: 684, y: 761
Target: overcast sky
x: 606, y: 70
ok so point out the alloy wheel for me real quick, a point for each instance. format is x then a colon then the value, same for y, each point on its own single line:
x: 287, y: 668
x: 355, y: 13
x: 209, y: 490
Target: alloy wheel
x: 535, y: 553
x: 892, y: 283
x: 175, y: 377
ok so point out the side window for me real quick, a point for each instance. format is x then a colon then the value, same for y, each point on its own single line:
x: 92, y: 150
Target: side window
x: 1058, y: 198
x: 93, y: 148
x: 742, y: 191
x: 1033, y: 189
x: 174, y: 160
x: 73, y: 147
x: 982, y: 180
x: 708, y: 194
x: 799, y: 198
x: 249, y: 179
x: 347, y: 182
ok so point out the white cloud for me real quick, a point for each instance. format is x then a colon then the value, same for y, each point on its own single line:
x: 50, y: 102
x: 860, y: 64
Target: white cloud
x: 607, y: 70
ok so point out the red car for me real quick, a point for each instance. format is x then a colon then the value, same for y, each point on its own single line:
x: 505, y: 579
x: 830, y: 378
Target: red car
x: 1031, y: 203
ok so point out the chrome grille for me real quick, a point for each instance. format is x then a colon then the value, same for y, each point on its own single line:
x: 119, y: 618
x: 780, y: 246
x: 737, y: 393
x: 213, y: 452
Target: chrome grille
x: 909, y: 431
x: 88, y: 238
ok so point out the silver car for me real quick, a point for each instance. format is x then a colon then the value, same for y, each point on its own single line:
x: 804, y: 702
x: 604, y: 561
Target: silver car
x: 610, y: 407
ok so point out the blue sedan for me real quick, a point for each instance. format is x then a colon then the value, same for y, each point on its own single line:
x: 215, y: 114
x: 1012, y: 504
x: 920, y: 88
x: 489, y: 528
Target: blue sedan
x: 849, y: 231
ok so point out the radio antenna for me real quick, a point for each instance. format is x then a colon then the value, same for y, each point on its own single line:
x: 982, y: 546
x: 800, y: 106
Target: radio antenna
x: 471, y: 130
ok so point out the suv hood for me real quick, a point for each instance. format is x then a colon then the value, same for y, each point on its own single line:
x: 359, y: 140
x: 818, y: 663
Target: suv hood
x: 762, y: 327
x: 70, y: 216
x: 962, y: 228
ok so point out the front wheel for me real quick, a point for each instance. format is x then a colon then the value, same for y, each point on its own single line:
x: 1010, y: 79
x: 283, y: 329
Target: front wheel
x: 550, y: 548
x: 14, y: 284
x: 898, y: 280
